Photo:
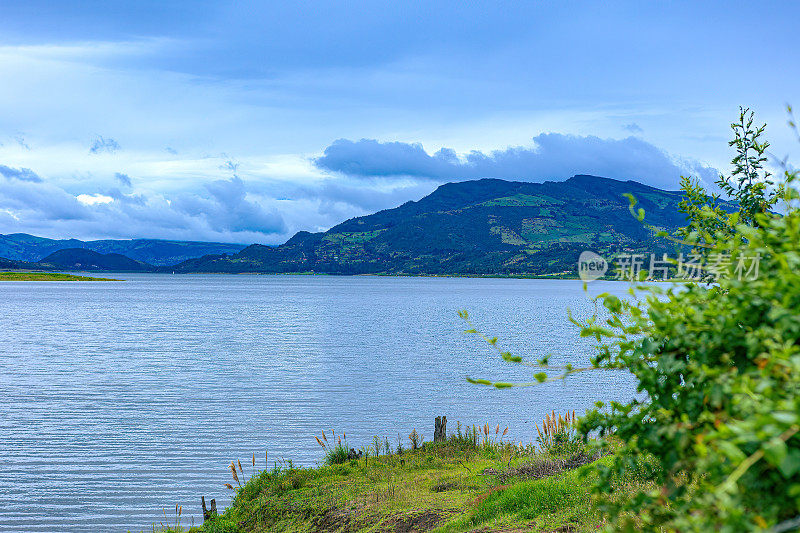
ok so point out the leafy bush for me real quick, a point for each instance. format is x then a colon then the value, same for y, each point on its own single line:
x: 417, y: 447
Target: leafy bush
x: 719, y: 366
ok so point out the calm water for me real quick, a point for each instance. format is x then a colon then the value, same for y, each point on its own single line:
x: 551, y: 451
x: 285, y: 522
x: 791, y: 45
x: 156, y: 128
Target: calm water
x: 120, y: 400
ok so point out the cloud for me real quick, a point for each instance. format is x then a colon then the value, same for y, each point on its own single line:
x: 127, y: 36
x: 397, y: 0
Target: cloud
x: 229, y: 209
x: 103, y: 144
x: 223, y: 210
x: 22, y: 174
x: 553, y: 157
x: 94, y: 199
x: 633, y: 128
x: 124, y: 179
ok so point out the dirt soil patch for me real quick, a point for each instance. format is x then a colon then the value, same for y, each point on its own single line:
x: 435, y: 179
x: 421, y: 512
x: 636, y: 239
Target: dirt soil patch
x: 420, y: 521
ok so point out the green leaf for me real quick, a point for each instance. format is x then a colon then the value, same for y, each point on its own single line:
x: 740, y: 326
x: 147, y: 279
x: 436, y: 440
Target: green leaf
x: 786, y: 417
x: 730, y: 450
x: 790, y: 464
x: 775, y: 451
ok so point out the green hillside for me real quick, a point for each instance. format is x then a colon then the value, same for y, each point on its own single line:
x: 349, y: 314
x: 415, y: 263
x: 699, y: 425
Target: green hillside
x: 481, y: 227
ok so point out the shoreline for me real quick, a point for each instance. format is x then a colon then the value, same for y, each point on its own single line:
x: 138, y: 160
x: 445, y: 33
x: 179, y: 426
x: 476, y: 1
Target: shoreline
x: 478, y: 480
x: 48, y: 276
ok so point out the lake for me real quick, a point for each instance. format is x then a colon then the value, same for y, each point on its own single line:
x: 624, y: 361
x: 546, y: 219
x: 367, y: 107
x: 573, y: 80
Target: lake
x: 122, y: 399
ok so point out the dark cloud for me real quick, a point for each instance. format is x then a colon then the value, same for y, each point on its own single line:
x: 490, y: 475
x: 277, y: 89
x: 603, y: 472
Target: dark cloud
x: 633, y: 128
x: 22, y: 174
x: 370, y: 158
x: 554, y: 157
x: 104, y: 144
x: 124, y: 179
x: 171, y: 150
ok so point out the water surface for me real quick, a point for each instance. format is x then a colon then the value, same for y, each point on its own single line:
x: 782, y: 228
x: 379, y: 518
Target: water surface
x: 120, y: 400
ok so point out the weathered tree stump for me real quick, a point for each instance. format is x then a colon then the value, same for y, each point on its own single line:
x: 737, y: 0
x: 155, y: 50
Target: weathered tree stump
x: 440, y: 429
x: 208, y: 513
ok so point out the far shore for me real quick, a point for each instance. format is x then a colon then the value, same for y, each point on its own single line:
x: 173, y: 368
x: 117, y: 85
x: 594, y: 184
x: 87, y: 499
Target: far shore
x: 47, y: 276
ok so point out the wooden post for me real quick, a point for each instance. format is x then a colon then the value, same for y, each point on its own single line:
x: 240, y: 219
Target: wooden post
x: 440, y: 429
x: 208, y: 513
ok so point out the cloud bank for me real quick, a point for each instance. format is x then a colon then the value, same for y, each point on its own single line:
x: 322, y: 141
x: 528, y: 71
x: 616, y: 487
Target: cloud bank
x: 553, y: 157
x: 220, y: 211
x: 266, y: 200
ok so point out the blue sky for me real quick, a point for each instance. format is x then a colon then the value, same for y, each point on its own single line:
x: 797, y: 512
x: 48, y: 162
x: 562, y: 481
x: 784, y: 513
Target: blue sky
x: 248, y: 121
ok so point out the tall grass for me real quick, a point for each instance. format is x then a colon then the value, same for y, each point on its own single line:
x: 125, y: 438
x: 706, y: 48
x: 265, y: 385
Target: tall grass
x: 336, y: 453
x: 559, y: 433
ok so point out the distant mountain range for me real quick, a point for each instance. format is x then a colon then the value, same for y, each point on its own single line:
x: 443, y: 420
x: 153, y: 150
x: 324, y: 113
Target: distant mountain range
x: 24, y: 247
x: 481, y: 227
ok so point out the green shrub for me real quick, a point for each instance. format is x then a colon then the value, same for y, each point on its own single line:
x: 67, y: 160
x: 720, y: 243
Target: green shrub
x: 718, y: 365
x: 336, y: 455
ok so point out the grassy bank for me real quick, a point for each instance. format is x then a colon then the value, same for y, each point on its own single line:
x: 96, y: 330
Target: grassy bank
x: 46, y: 276
x: 463, y: 484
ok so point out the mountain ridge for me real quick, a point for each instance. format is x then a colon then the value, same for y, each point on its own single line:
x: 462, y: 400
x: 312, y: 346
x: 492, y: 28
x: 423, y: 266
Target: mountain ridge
x: 478, y: 227
x: 159, y: 252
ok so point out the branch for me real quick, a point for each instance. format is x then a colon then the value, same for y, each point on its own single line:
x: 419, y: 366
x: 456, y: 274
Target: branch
x: 540, y: 377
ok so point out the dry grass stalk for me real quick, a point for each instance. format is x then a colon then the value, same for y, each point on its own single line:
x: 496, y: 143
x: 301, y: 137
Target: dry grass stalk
x: 233, y: 472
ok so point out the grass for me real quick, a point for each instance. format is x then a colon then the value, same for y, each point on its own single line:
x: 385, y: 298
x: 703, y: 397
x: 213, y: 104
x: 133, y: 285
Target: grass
x: 475, y: 481
x: 46, y: 276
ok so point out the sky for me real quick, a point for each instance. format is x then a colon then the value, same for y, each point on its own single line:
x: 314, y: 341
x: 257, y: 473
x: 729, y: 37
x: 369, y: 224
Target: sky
x: 249, y: 121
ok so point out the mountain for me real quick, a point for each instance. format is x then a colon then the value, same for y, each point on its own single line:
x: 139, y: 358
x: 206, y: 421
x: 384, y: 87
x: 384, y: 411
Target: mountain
x: 24, y: 247
x: 480, y: 227
x: 81, y: 259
